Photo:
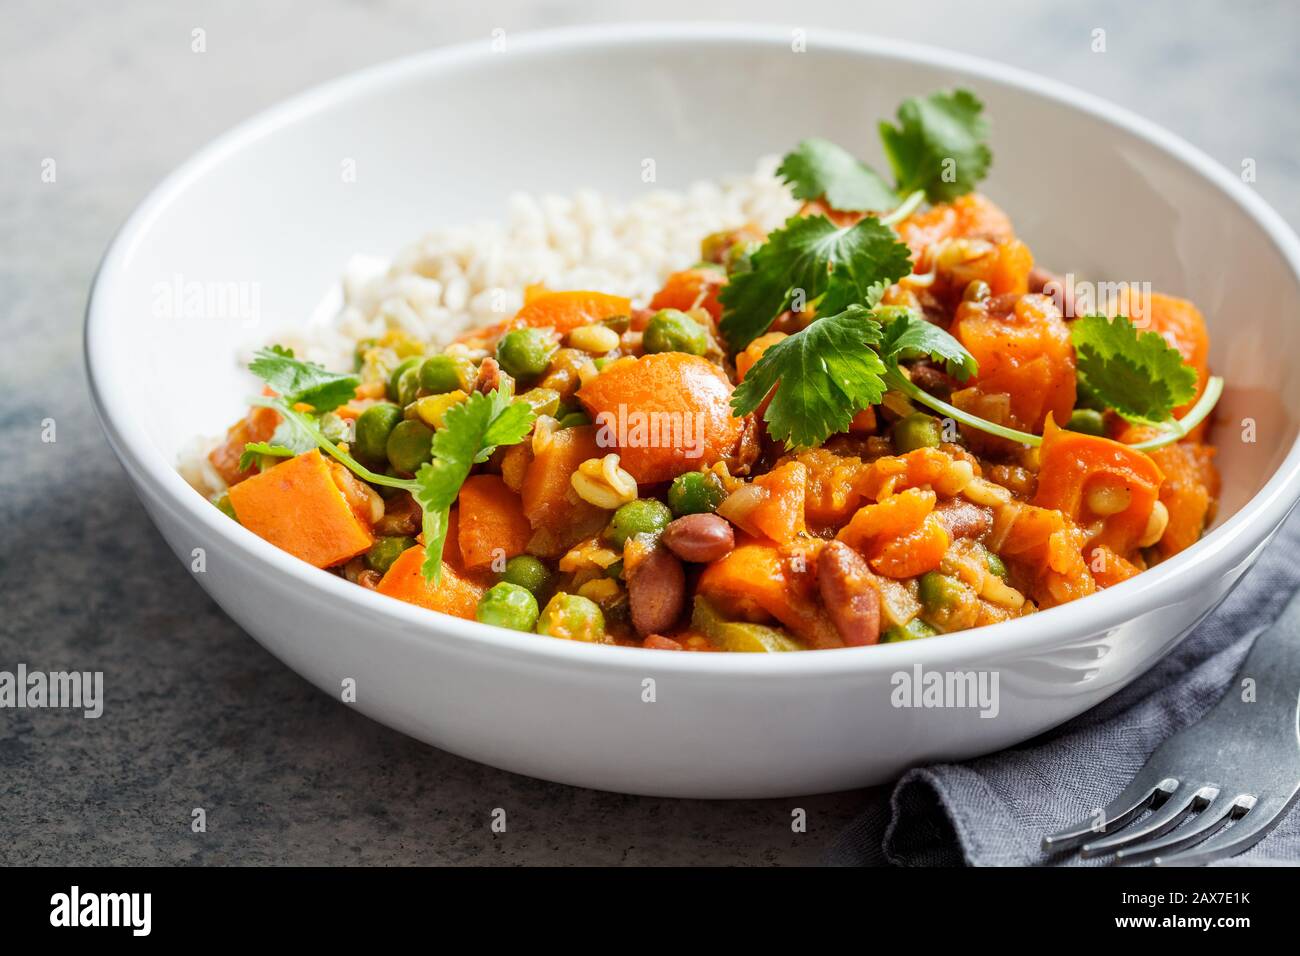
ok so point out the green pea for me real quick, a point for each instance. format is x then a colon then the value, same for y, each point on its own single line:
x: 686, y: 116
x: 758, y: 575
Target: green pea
x: 408, y: 387
x: 997, y: 566
x: 374, y: 425
x: 386, y: 550
x: 671, y: 330
x: 446, y: 373
x: 543, y: 401
x: 911, y: 631
x: 528, y: 572
x: 917, y: 430
x: 573, y: 617
x: 409, y: 445
x: 525, y: 353
x: 395, y: 378
x: 575, y: 420
x: 643, y: 516
x: 619, y: 323
x: 507, y: 605
x: 1089, y: 421
x: 939, y: 592
x: 696, y: 492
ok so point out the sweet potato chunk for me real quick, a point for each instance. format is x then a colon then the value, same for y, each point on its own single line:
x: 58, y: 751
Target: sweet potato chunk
x: 560, y: 518
x: 565, y: 311
x: 492, y: 521
x: 298, y: 508
x: 457, y: 593
x: 667, y: 414
x: 1025, y: 353
x: 757, y: 582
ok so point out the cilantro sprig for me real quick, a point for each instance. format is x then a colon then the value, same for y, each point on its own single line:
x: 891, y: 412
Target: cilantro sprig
x: 472, y: 430
x: 823, y: 376
x: 938, y: 145
x: 1138, y: 374
x: 812, y: 263
x: 819, y: 169
x: 840, y: 364
x: 936, y: 151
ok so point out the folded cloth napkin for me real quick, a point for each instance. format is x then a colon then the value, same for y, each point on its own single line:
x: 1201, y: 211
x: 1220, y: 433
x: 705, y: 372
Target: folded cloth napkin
x: 993, y: 811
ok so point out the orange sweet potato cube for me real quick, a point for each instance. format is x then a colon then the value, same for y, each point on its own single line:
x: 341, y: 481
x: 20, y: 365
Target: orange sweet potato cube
x: 298, y: 508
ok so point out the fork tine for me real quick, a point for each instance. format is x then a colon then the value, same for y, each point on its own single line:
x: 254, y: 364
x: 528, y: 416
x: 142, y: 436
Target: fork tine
x: 1253, y: 823
x: 1212, y: 819
x: 1133, y: 799
x: 1161, y: 821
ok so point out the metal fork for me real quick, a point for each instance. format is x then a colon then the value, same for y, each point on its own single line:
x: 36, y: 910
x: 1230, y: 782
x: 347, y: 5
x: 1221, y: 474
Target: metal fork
x: 1235, y: 772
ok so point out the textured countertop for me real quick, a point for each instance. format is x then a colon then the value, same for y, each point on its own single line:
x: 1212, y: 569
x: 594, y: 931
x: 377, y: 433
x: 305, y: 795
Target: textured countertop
x: 197, y: 714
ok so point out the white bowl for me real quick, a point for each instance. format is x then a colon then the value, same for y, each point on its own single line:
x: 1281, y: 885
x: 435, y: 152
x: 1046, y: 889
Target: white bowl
x: 445, y: 137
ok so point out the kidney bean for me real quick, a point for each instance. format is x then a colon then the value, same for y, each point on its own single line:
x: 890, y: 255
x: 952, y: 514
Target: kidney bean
x: 849, y: 594
x: 656, y: 592
x: 699, y: 538
x: 964, y: 519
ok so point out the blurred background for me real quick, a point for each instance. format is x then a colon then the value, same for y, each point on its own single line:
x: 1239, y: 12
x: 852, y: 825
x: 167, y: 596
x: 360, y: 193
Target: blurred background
x: 197, y: 714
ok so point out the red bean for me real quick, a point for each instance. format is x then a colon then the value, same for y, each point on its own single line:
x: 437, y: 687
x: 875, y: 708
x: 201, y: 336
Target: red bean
x: 656, y: 592
x: 699, y: 538
x: 849, y: 594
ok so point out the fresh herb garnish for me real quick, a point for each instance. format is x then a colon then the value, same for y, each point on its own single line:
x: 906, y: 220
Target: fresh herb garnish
x: 844, y: 361
x: 907, y: 336
x: 256, y: 449
x: 936, y: 151
x: 471, y: 431
x: 938, y: 145
x: 299, y: 382
x: 820, y: 169
x: 812, y: 263
x: 1138, y: 374
x: 823, y: 375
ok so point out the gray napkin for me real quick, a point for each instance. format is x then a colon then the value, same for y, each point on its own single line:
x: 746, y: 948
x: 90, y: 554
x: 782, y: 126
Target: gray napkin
x: 993, y: 811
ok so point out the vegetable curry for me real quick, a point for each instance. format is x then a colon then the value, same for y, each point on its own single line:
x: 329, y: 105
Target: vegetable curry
x: 876, y: 423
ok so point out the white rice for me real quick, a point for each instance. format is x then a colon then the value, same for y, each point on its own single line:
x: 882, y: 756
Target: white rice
x: 461, y: 277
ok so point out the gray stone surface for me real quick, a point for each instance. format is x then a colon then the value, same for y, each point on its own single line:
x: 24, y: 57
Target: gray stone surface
x: 198, y: 715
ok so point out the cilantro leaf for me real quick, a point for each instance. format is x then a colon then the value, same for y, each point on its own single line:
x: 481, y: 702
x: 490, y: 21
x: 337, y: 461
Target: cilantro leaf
x: 256, y: 448
x: 938, y: 145
x: 823, y: 376
x: 832, y: 267
x: 818, y: 168
x: 1138, y: 374
x: 909, y: 334
x: 471, y: 431
x: 297, y: 381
